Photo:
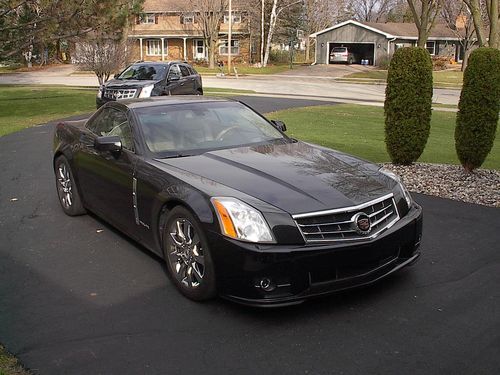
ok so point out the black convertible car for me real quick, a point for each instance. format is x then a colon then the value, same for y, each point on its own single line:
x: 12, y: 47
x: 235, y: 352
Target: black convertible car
x: 233, y: 205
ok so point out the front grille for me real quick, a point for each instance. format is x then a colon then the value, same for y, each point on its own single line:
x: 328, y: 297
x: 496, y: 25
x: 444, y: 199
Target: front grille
x: 338, y: 224
x: 118, y: 94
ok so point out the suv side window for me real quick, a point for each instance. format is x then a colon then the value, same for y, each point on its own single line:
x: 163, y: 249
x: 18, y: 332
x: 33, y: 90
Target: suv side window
x: 174, y: 71
x: 185, y: 71
x: 113, y: 122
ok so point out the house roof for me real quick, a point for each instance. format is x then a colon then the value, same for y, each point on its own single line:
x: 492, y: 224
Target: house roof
x: 395, y: 30
x: 159, y: 6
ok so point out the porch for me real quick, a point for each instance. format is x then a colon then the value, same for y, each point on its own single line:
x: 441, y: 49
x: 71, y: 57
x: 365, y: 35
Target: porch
x: 168, y: 47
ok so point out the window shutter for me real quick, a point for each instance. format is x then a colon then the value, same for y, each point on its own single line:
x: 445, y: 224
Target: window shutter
x: 137, y: 20
x: 182, y: 20
x: 156, y: 19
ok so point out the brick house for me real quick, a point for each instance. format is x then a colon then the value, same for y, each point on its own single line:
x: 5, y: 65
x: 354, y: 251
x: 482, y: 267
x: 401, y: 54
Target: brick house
x: 167, y: 31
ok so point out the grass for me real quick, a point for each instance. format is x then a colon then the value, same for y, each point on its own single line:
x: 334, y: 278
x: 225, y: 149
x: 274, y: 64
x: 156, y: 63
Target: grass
x: 245, y: 69
x: 22, y: 107
x: 452, y: 78
x: 359, y: 130
x: 9, y: 365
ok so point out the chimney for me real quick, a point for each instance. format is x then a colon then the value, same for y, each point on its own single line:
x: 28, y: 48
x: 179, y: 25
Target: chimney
x: 461, y: 21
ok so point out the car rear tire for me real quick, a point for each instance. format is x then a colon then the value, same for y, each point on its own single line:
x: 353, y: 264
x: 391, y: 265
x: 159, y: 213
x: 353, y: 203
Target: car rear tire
x: 67, y: 191
x: 187, y: 255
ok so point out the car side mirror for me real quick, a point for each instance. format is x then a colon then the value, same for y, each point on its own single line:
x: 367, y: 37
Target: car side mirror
x: 110, y: 143
x: 173, y: 78
x: 280, y: 125
x: 116, y: 75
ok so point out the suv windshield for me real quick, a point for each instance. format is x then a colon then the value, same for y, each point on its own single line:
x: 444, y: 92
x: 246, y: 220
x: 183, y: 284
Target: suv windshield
x: 144, y: 72
x: 174, y: 130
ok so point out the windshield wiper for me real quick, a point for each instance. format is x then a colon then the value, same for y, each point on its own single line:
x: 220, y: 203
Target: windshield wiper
x: 179, y: 155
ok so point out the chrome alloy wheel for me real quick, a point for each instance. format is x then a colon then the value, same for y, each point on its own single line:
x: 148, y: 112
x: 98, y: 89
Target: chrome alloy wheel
x: 186, y: 253
x: 64, y: 185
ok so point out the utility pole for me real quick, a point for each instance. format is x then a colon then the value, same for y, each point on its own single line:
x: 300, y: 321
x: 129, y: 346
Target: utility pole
x: 262, y: 34
x: 229, y: 35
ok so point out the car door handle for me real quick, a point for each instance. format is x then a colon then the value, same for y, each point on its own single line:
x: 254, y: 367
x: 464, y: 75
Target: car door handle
x: 182, y: 84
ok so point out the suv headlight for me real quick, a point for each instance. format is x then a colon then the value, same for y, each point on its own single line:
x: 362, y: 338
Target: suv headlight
x: 146, y: 91
x: 240, y: 221
x: 404, y: 190
x: 100, y: 91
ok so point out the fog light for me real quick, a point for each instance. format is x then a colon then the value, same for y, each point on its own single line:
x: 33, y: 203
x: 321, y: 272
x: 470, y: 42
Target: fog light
x: 267, y: 284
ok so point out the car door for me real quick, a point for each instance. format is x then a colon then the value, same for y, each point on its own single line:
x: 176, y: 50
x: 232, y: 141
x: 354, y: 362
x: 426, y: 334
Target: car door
x: 176, y: 83
x: 105, y: 177
x: 189, y: 87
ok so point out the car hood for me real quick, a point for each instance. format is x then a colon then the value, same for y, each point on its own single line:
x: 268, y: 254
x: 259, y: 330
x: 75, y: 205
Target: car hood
x: 126, y: 83
x: 295, y: 177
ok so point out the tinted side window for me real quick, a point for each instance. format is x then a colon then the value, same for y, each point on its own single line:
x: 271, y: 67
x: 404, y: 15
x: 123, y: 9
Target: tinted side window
x: 185, y: 71
x: 174, y: 71
x: 113, y: 122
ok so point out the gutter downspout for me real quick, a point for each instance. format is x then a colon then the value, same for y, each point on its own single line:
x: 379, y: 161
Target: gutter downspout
x: 389, y: 46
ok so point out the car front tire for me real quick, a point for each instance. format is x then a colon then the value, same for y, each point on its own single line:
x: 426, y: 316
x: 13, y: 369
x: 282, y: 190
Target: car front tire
x: 188, y: 256
x: 67, y: 191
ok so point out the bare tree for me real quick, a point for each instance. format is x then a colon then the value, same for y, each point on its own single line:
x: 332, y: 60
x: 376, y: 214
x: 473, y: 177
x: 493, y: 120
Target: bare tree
x: 424, y: 13
x: 459, y: 20
x: 209, y: 16
x: 278, y: 7
x: 485, y: 14
x: 371, y: 10
x: 103, y: 57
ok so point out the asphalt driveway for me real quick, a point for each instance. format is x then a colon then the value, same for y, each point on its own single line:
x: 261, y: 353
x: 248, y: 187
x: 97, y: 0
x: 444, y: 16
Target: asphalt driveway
x: 77, y: 297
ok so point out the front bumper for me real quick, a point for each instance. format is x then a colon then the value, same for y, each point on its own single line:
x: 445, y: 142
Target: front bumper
x: 299, y: 272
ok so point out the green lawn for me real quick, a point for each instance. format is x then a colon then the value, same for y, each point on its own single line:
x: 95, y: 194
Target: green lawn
x: 452, y: 78
x: 245, y: 69
x: 21, y: 107
x: 359, y: 130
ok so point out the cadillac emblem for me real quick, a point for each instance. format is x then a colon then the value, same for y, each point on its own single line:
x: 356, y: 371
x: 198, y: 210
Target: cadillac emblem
x: 361, y: 223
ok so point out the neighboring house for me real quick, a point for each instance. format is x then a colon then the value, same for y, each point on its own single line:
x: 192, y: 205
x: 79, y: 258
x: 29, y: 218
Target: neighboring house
x: 167, y: 31
x: 375, y: 42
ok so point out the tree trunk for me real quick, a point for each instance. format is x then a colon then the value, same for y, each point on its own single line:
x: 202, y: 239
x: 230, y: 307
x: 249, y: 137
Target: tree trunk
x: 262, y: 34
x: 493, y: 17
x: 272, y: 24
x: 465, y: 60
x: 475, y: 10
x: 211, y: 54
x: 308, y: 49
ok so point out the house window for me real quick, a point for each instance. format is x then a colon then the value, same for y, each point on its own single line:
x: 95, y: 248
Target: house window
x: 431, y: 47
x: 187, y: 18
x: 147, y: 18
x: 236, y: 17
x: 153, y: 47
x: 235, y: 47
x: 398, y: 46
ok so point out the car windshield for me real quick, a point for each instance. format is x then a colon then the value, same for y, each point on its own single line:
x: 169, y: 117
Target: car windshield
x: 144, y: 72
x: 193, y: 128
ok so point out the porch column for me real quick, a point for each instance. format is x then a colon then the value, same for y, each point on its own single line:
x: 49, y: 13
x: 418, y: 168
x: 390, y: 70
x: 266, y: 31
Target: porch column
x: 162, y: 49
x: 140, y: 47
x: 185, y: 49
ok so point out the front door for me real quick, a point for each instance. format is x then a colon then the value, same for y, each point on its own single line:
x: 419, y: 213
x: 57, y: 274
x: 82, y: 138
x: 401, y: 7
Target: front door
x: 199, y: 49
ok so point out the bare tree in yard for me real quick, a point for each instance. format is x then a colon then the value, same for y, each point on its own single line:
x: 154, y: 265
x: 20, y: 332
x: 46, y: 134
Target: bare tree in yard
x: 371, y: 10
x: 278, y: 7
x: 209, y: 16
x: 425, y: 13
x: 485, y: 15
x: 459, y: 20
x: 103, y: 57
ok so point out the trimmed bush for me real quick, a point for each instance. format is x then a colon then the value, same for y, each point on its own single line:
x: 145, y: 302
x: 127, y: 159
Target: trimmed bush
x: 408, y: 102
x: 478, y: 108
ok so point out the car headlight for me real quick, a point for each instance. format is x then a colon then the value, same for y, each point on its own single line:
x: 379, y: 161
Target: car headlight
x: 100, y: 91
x: 240, y: 221
x: 146, y: 91
x: 404, y: 190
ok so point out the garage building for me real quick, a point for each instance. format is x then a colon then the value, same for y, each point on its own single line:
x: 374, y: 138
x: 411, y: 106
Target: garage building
x: 374, y: 42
